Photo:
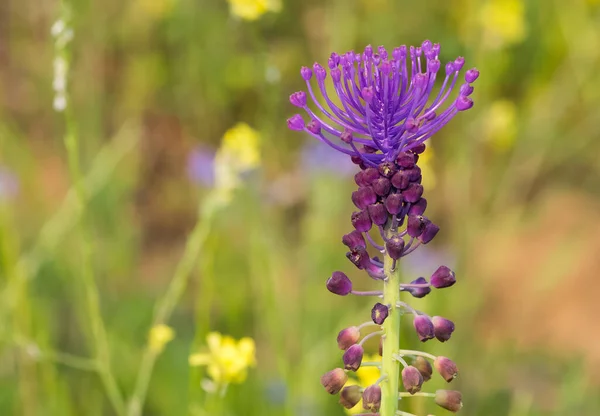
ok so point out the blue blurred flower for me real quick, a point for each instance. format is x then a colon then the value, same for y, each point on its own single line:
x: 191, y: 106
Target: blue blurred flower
x: 9, y: 184
x: 423, y: 261
x: 201, y: 166
x: 317, y: 157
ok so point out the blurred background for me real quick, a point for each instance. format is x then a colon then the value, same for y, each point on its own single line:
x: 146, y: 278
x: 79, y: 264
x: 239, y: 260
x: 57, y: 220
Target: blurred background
x: 153, y: 87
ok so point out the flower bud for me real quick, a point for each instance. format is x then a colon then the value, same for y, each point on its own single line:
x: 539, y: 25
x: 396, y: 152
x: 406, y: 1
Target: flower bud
x: 413, y: 192
x: 339, y: 284
x: 387, y: 169
x: 418, y: 208
x: 306, y: 73
x: 400, y: 180
x: 412, y: 379
x: 363, y: 197
x: 360, y: 258
x: 446, y: 367
x: 417, y: 292
x: 378, y: 213
x: 406, y: 160
x: 295, y: 122
x: 371, y: 398
x: 393, y: 203
x: 346, y: 136
x: 298, y: 99
x: 443, y: 328
x: 382, y: 186
x: 348, y: 337
x: 334, y: 380
x: 463, y: 103
x: 424, y: 327
x: 371, y: 175
x: 350, y: 396
x: 424, y: 367
x: 416, y: 224
x: 354, y: 240
x: 395, y: 246
x: 471, y: 75
x: 360, y: 179
x: 449, y: 400
x: 379, y: 313
x: 314, y: 126
x: 429, y: 232
x: 419, y: 148
x: 443, y: 277
x: 414, y: 173
x: 353, y: 357
x: 361, y: 221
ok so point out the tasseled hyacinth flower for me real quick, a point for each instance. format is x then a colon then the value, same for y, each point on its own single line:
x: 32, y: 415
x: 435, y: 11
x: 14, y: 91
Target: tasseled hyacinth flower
x: 384, y: 109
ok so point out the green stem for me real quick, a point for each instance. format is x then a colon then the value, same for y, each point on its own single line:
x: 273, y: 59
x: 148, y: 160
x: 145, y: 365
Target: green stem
x: 391, y: 341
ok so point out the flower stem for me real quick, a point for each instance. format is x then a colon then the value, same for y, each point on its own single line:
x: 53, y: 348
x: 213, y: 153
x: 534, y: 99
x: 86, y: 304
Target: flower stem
x: 391, y: 341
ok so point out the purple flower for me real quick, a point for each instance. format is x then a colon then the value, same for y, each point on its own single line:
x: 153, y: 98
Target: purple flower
x: 387, y: 101
x: 317, y: 157
x: 201, y: 166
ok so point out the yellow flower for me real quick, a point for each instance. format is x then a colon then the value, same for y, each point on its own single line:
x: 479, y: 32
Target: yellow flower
x: 503, y: 22
x: 501, y: 125
x: 227, y: 360
x: 253, y: 9
x: 239, y: 152
x: 159, y: 336
x: 366, y: 376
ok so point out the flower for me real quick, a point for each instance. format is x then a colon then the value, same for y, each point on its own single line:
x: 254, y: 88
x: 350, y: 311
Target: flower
x: 382, y: 106
x: 239, y: 153
x: 365, y: 377
x: 159, y: 336
x: 253, y: 9
x: 201, y: 166
x: 227, y: 360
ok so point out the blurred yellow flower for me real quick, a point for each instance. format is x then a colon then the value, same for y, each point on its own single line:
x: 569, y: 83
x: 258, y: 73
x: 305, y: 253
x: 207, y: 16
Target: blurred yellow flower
x: 501, y: 125
x: 239, y: 152
x: 159, y: 336
x: 253, y: 9
x: 503, y: 22
x: 366, y: 376
x: 227, y: 360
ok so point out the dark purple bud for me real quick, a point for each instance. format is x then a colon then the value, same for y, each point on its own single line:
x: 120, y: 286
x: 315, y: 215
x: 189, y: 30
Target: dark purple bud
x: 348, y: 337
x: 350, y: 396
x: 354, y: 240
x: 360, y: 258
x: 306, y: 73
x: 371, y: 175
x: 314, y: 127
x: 295, y: 122
x: 443, y: 328
x: 360, y: 179
x: 371, y: 398
x: 429, y: 232
x: 387, y: 169
x: 463, y: 103
x: 395, y: 246
x: 414, y: 173
x: 449, y: 399
x: 374, y: 271
x: 379, y: 313
x: 401, y: 179
x: 446, y: 367
x: 378, y: 213
x: 382, y: 186
x: 412, y: 379
x: 405, y: 160
x: 339, y: 284
x: 424, y: 367
x: 361, y: 221
x: 346, y: 136
x: 418, y: 149
x: 353, y: 357
x: 416, y: 224
x: 334, y: 380
x: 413, y: 192
x: 418, y: 292
x: 471, y: 75
x: 424, y: 327
x: 363, y: 197
x: 443, y: 277
x: 418, y: 208
x: 357, y: 160
x: 393, y: 203
x: 298, y: 99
